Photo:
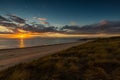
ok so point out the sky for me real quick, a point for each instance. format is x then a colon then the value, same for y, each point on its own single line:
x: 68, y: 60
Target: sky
x: 64, y: 12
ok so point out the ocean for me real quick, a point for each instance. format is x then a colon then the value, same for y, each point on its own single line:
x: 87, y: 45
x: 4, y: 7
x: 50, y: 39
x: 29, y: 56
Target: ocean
x: 6, y: 43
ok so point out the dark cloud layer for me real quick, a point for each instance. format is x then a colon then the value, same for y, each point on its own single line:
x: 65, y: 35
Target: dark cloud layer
x: 103, y: 26
x: 3, y: 19
x: 16, y: 18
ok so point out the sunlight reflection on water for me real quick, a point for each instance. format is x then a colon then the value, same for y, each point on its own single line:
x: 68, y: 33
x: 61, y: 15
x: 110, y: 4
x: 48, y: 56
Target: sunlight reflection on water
x: 22, y: 43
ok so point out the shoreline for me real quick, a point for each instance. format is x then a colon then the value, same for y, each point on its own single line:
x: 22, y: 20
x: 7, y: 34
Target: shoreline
x: 11, y: 57
x: 40, y: 45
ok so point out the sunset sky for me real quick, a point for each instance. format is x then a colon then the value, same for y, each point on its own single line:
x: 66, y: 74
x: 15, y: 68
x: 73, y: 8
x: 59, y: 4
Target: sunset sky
x: 62, y: 12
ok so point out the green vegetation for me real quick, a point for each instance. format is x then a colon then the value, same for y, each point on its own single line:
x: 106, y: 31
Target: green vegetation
x: 96, y: 60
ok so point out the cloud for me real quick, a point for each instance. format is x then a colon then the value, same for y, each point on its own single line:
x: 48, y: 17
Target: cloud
x: 42, y: 19
x: 4, y: 19
x: 70, y: 27
x: 8, y: 24
x: 16, y: 18
x: 103, y: 22
x: 44, y: 26
x: 34, y: 17
x: 44, y: 23
x: 5, y: 29
x: 104, y: 26
x: 49, y: 29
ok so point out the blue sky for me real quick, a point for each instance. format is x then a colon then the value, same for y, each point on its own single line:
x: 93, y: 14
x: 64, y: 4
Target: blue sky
x: 64, y: 12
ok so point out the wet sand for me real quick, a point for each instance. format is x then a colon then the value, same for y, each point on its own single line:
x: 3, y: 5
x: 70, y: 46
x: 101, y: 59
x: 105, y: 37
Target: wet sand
x: 11, y: 57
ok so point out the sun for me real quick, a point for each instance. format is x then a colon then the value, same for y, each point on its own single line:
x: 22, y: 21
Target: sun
x: 22, y: 36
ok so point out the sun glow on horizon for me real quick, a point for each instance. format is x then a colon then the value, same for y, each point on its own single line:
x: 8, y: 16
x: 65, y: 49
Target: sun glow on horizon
x: 16, y: 36
x: 53, y: 35
x: 21, y: 35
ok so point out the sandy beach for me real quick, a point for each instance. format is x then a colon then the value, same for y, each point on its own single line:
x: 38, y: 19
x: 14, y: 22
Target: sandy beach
x: 11, y: 57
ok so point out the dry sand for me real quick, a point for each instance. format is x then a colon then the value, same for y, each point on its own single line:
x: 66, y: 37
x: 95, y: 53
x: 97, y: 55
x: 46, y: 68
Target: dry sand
x: 11, y: 57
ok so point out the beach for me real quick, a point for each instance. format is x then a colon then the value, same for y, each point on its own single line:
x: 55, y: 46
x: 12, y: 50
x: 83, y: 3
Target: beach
x: 11, y: 57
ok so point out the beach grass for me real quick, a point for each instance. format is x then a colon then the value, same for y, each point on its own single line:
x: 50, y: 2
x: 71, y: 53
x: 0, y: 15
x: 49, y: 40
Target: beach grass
x: 95, y: 60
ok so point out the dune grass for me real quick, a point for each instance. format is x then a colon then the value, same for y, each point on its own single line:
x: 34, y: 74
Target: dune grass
x: 96, y: 60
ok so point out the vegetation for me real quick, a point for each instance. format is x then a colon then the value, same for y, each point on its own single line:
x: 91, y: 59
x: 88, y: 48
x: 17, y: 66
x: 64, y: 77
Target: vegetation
x: 96, y: 60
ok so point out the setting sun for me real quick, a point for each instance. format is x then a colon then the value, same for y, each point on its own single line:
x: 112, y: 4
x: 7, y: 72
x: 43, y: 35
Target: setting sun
x: 21, y: 35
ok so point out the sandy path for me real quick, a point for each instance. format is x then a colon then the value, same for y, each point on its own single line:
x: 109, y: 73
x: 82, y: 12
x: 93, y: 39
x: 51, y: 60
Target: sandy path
x: 10, y: 57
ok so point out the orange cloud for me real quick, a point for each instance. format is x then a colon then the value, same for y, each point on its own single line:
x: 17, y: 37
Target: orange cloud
x: 42, y: 19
